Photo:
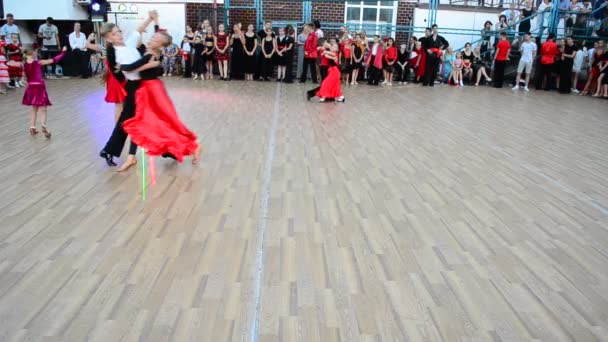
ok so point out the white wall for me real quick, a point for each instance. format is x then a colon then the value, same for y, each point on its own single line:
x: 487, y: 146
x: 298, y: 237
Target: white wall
x: 41, y: 9
x: 172, y: 18
x: 458, y: 19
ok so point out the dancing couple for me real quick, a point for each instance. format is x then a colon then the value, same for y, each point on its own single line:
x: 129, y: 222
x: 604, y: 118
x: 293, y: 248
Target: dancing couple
x: 330, y: 88
x: 148, y: 115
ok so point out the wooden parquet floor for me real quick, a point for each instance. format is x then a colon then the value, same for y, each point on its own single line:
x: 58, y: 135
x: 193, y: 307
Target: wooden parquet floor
x: 404, y: 214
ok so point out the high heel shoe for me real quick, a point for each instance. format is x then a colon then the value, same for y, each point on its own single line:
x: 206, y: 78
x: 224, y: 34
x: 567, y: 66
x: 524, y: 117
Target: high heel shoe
x: 108, y: 157
x: 46, y: 132
x: 33, y: 130
x: 197, y: 155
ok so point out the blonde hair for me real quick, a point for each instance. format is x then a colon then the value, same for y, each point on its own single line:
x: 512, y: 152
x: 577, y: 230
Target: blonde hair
x: 106, y: 29
x: 28, y: 52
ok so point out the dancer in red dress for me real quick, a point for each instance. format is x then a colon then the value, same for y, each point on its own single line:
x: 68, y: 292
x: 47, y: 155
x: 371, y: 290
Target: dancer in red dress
x: 156, y: 126
x: 115, y: 80
x: 330, y: 87
x: 221, y: 52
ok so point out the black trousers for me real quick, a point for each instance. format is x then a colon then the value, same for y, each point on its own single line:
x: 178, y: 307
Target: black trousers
x: 402, y: 73
x: 48, y: 52
x: 312, y: 63
x: 499, y: 73
x: 545, y: 71
x: 432, y: 63
x: 373, y: 75
x: 289, y: 68
x: 323, y: 71
x: 312, y: 92
x: 117, y: 140
x: 82, y: 60
x: 188, y: 68
x: 267, y: 68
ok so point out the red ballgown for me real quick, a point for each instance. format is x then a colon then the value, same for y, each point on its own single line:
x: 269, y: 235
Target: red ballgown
x: 156, y: 126
x: 115, y: 90
x: 330, y: 87
x: 422, y: 65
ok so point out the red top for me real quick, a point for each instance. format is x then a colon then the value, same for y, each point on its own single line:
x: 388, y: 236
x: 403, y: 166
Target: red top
x: 311, y: 46
x: 346, y: 53
x: 390, y: 54
x: 324, y: 60
x: 503, y: 47
x: 548, y: 51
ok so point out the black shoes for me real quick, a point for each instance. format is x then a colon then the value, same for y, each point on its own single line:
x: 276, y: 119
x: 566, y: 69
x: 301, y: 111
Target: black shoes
x: 108, y: 157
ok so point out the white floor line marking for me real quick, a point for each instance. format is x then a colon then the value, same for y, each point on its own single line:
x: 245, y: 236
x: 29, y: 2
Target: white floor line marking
x: 263, y: 219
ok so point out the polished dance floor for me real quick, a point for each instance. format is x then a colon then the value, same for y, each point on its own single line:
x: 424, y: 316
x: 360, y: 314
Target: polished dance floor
x: 404, y: 214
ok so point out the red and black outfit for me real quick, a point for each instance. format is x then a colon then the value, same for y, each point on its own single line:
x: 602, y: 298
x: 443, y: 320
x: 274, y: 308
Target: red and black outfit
x: 15, y: 71
x: 548, y: 53
x: 115, y: 81
x: 323, y: 64
x: 503, y: 47
x: 390, y: 56
x: 156, y: 126
x: 310, y: 58
x: 330, y: 87
x: 222, y: 42
x: 432, y: 46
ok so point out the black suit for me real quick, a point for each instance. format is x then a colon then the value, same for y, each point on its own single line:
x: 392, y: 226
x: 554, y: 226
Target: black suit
x: 432, y: 59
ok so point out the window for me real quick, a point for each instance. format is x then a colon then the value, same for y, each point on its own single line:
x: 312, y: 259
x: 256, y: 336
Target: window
x: 375, y: 17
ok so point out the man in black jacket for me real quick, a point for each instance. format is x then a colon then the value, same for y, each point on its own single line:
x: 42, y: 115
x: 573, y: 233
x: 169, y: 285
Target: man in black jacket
x: 433, y: 45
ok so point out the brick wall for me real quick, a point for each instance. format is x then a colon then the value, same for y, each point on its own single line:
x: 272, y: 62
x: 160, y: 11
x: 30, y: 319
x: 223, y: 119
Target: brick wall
x: 283, y: 10
x: 196, y: 12
x: 405, y: 16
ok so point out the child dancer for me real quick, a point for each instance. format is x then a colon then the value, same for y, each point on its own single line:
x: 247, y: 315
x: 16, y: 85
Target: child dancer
x: 330, y: 87
x: 448, y: 63
x: 251, y: 46
x: 209, y: 52
x: 269, y: 47
x: 15, y: 54
x: 198, y: 59
x: 402, y: 64
x: 324, y: 63
x: 358, y: 55
x: 418, y: 61
x: 115, y: 80
x: 221, y: 52
x: 374, y: 62
x: 347, y: 60
x: 284, y: 44
x: 156, y: 126
x: 390, y: 57
x: 185, y: 51
x: 35, y: 93
x: 457, y: 70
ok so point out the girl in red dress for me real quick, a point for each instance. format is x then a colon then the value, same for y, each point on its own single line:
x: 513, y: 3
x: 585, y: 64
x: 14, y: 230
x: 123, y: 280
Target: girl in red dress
x: 115, y: 80
x: 221, y: 53
x: 15, y: 54
x: 156, y: 126
x: 418, y: 61
x: 330, y: 87
x: 390, y: 57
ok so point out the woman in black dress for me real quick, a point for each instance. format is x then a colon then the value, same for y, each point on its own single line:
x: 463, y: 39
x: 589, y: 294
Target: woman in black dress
x: 269, y: 47
x: 526, y: 12
x: 237, y: 62
x: 565, y: 77
x: 251, y: 45
x: 291, y: 39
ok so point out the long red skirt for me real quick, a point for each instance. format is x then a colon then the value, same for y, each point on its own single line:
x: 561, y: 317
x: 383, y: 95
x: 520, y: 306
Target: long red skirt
x: 330, y: 87
x: 156, y: 126
x: 115, y: 90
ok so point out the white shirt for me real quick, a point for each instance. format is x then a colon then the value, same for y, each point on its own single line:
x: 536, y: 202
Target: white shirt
x: 528, y: 48
x: 186, y: 47
x: 319, y: 33
x: 7, y: 30
x: 512, y: 16
x: 374, y: 49
x: 128, y: 54
x: 49, y: 31
x: 77, y: 43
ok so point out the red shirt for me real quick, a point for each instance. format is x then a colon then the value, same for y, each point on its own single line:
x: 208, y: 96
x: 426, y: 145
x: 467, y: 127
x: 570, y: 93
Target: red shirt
x: 311, y: 46
x: 324, y: 60
x: 346, y: 52
x: 503, y: 47
x: 548, y: 51
x: 390, y: 54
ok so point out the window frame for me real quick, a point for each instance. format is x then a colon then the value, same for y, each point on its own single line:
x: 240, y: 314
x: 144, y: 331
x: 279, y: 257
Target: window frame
x: 378, y: 6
